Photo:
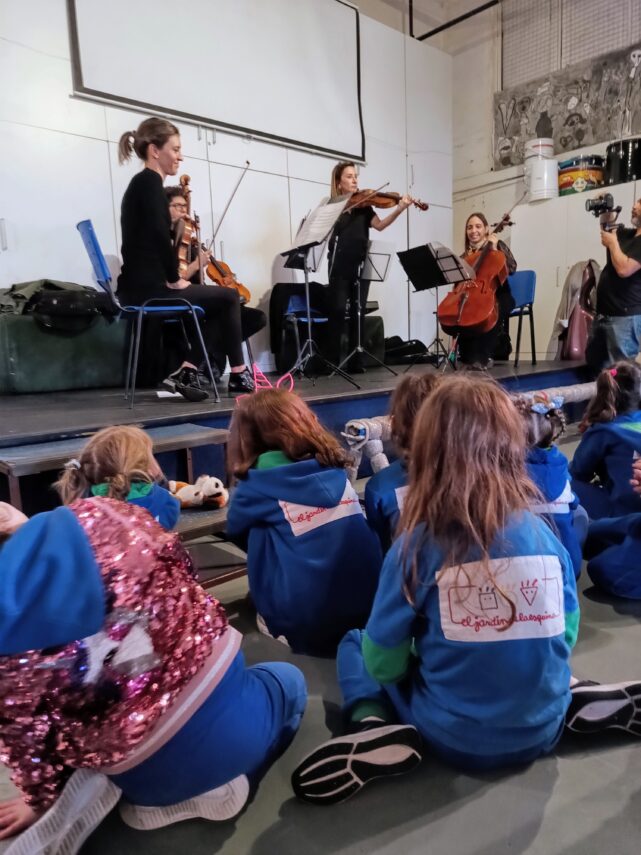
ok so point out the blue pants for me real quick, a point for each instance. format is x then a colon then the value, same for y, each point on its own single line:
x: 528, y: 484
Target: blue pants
x: 357, y: 685
x: 612, y: 339
x: 596, y: 500
x: 242, y: 728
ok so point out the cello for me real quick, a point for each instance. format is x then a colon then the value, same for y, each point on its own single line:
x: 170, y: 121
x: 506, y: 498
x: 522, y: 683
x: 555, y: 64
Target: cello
x: 471, y: 308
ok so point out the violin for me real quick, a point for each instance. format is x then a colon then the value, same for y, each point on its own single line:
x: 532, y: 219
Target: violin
x: 380, y: 199
x: 219, y: 272
x: 471, y: 308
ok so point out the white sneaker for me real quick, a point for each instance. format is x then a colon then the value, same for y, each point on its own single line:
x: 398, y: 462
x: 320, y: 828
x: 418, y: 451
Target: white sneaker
x: 86, y: 799
x: 217, y: 805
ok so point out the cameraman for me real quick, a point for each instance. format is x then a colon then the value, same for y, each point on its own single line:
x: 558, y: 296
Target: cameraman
x: 616, y: 331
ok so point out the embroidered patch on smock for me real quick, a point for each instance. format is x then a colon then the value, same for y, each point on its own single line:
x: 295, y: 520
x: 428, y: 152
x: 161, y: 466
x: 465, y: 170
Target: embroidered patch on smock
x: 475, y: 604
x: 304, y: 518
x: 401, y: 493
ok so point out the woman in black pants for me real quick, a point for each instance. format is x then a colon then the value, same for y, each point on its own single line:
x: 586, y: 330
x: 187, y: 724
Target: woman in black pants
x: 347, y: 250
x: 150, y: 266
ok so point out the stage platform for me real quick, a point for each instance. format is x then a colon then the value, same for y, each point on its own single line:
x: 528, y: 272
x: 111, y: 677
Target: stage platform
x: 46, y: 417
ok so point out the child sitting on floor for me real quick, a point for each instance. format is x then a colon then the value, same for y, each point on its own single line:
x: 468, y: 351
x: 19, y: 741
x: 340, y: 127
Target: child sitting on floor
x: 114, y: 659
x: 118, y: 463
x: 612, y: 434
x: 548, y: 468
x: 468, y: 643
x: 312, y: 560
x: 385, y: 491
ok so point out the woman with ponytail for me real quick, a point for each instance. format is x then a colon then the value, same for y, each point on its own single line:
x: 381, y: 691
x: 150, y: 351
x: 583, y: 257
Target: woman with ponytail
x: 150, y: 265
x: 118, y: 463
x: 611, y: 430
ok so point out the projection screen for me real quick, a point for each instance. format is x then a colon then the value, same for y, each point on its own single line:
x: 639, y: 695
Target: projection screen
x: 284, y: 70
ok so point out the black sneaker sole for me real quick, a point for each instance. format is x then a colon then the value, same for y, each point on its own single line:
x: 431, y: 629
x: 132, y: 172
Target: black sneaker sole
x: 189, y: 393
x: 341, y: 767
x: 586, y: 713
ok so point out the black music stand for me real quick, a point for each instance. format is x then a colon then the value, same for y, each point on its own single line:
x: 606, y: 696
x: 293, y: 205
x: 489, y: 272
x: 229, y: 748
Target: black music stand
x: 373, y: 269
x: 434, y: 266
x: 314, y: 231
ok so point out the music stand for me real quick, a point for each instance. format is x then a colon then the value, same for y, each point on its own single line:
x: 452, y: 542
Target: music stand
x: 374, y: 269
x: 314, y: 232
x: 433, y: 266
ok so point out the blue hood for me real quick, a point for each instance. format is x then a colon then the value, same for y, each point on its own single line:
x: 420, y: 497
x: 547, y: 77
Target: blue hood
x: 51, y: 591
x: 305, y: 482
x: 548, y: 468
x: 627, y: 428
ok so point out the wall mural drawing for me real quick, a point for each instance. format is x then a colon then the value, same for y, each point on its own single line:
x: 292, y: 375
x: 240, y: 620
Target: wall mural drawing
x: 598, y: 100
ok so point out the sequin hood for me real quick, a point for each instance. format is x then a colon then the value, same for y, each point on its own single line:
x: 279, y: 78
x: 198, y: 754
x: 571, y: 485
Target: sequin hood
x: 103, y: 625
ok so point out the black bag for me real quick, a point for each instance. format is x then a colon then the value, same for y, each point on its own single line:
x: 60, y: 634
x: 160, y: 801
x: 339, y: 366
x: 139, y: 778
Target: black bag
x: 400, y: 352
x: 71, y: 312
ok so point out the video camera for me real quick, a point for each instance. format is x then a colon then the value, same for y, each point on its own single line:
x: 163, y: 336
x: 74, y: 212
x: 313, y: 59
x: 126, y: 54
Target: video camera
x: 603, y: 207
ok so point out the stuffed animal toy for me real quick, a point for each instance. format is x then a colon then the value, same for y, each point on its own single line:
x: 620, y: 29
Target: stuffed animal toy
x: 207, y: 491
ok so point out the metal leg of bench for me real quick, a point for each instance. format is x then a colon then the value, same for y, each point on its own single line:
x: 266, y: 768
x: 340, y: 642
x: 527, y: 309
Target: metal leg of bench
x: 189, y: 460
x: 14, y: 492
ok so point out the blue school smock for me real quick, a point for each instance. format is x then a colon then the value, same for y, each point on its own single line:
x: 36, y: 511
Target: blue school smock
x: 312, y: 560
x: 477, y: 685
x: 158, y: 501
x: 606, y: 450
x: 384, y: 495
x: 548, y: 468
x: 614, y: 549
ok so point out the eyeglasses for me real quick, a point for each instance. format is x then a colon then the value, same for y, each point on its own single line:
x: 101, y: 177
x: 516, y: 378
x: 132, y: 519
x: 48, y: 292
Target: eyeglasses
x: 180, y: 205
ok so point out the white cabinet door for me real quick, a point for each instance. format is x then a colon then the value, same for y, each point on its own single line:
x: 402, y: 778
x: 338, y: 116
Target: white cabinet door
x: 255, y: 230
x: 43, y: 198
x: 538, y: 242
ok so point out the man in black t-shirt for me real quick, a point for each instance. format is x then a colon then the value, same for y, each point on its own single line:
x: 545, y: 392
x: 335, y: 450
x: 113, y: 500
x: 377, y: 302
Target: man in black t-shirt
x: 616, y: 331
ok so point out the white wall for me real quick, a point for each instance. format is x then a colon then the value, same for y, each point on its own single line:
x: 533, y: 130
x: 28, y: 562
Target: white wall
x: 58, y: 164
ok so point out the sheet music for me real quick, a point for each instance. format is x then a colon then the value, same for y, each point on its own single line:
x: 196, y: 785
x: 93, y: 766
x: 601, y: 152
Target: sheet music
x: 454, y: 268
x: 317, y: 226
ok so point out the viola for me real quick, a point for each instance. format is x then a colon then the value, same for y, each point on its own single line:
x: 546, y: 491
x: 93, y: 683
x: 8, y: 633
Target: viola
x: 470, y: 308
x: 380, y: 199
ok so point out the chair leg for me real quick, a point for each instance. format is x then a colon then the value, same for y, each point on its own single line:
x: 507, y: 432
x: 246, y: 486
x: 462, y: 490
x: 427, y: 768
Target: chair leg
x: 518, y: 339
x: 531, y: 316
x: 206, y: 355
x: 250, y: 355
x: 130, y: 358
x: 136, y: 355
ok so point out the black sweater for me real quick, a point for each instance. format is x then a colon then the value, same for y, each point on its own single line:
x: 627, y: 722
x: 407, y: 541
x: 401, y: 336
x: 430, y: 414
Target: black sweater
x: 148, y: 255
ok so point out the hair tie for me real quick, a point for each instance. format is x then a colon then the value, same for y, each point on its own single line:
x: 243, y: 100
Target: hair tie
x: 612, y: 372
x: 544, y: 408
x: 73, y: 464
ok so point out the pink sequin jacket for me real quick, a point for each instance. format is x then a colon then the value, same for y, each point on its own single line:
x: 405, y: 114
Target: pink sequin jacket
x: 110, y: 699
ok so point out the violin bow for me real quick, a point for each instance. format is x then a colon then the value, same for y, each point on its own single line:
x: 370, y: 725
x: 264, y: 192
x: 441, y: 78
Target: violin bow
x: 229, y: 201
x: 506, y: 216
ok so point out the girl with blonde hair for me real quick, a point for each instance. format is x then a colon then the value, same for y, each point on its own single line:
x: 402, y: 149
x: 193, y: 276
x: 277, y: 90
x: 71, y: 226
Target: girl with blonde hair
x: 118, y: 463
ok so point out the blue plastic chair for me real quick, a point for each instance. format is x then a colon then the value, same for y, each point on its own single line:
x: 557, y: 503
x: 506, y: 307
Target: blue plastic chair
x: 523, y: 285
x: 297, y: 311
x: 168, y: 308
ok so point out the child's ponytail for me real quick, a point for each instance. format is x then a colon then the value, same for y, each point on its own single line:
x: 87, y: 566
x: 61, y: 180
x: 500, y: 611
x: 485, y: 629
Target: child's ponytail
x: 618, y: 391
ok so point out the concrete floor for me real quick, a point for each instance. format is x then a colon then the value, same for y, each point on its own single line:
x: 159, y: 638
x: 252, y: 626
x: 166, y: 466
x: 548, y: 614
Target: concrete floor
x: 584, y: 800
